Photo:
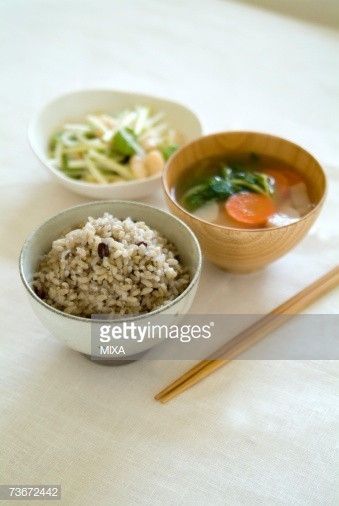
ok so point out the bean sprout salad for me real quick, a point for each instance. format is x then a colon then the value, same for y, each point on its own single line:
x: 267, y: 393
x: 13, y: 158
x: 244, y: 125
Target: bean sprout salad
x: 111, y: 148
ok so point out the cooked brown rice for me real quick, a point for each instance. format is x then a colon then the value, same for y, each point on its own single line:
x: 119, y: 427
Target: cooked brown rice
x: 110, y: 266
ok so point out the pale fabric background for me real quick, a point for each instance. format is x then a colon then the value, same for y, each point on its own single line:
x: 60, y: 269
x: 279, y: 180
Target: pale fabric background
x: 254, y: 432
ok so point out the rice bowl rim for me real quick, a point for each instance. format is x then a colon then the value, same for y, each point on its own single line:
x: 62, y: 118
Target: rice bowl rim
x: 82, y: 319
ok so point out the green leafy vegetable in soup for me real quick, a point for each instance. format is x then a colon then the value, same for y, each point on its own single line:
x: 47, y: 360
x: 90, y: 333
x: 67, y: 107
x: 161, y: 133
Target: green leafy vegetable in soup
x: 245, y: 190
x: 227, y: 182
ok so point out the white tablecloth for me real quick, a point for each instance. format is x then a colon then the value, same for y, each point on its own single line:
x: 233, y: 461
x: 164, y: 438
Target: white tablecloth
x: 255, y: 432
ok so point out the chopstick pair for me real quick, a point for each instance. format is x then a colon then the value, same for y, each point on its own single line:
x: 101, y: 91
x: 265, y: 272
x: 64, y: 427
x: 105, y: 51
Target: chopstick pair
x: 250, y: 336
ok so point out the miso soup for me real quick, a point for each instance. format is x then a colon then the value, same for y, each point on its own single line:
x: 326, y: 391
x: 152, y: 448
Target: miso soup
x: 244, y: 190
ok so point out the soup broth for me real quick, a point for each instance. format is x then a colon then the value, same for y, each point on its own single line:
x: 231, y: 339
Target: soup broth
x: 244, y: 190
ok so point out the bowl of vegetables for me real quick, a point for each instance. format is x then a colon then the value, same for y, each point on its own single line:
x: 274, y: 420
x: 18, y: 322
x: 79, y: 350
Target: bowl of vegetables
x: 109, y: 144
x: 249, y: 197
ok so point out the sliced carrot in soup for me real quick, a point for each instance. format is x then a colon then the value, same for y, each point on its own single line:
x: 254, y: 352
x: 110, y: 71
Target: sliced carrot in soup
x: 250, y: 208
x: 279, y: 179
x: 292, y: 177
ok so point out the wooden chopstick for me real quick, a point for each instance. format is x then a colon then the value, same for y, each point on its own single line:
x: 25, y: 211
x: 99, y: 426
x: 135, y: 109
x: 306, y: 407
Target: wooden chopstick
x: 252, y: 335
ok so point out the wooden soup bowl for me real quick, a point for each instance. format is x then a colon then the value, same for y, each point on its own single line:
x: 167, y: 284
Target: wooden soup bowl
x: 236, y: 249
